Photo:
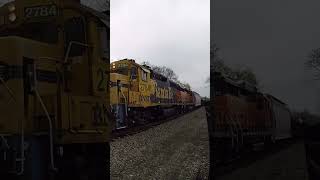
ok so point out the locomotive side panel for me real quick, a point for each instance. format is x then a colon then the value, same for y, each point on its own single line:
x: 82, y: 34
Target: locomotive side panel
x: 231, y: 113
x: 146, y: 87
x: 162, y: 92
x: 173, y: 93
x: 186, y: 98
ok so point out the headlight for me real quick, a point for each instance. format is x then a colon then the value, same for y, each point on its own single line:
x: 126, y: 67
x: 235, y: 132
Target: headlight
x: 11, y: 7
x: 12, y: 17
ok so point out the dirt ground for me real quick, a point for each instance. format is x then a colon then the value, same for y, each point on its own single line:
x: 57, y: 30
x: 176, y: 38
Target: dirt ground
x: 288, y: 164
x: 178, y: 149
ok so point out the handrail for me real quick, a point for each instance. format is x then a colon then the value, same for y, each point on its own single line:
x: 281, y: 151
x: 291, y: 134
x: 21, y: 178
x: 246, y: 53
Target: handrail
x: 50, y: 129
x: 125, y: 102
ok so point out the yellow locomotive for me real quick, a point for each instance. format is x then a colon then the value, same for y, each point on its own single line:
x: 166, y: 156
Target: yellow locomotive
x: 138, y: 94
x: 54, y: 93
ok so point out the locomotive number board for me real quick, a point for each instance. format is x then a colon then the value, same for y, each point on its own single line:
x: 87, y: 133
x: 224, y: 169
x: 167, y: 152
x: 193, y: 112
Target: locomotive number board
x: 41, y: 11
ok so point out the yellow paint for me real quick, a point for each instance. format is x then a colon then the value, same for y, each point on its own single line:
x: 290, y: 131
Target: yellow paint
x: 83, y: 89
x: 139, y: 96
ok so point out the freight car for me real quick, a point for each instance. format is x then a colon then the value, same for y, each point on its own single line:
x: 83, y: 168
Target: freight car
x: 244, y: 116
x: 196, y: 99
x: 281, y: 118
x: 54, y: 65
x: 139, y: 95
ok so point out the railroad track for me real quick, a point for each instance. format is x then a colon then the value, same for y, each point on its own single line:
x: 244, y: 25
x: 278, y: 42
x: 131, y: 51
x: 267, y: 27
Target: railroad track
x: 248, y: 158
x: 140, y: 128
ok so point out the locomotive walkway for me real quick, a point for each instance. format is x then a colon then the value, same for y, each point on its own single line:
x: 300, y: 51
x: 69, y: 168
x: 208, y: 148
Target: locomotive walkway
x: 289, y: 163
x: 178, y: 149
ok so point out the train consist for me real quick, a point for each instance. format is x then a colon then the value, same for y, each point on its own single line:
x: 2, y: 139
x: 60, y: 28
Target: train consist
x: 244, y: 116
x: 139, y: 95
x: 54, y: 74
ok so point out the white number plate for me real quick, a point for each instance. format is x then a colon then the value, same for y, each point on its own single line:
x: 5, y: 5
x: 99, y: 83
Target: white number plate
x: 41, y: 11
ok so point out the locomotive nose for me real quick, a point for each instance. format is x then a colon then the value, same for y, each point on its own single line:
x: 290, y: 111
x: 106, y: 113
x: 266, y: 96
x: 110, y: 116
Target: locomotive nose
x: 17, y: 77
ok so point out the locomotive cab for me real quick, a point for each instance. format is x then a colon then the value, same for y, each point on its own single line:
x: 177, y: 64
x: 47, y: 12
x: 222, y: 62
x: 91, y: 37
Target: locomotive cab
x: 131, y: 87
x: 54, y: 100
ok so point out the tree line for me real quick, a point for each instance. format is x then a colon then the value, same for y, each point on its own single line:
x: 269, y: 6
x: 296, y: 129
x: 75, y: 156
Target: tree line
x: 237, y: 74
x: 168, y: 73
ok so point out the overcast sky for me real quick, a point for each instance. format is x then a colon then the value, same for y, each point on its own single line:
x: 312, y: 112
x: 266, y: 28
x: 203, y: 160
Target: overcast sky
x: 272, y: 37
x: 172, y: 33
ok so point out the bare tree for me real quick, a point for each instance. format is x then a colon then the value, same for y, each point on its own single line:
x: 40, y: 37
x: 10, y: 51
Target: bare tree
x: 208, y: 80
x: 184, y: 85
x: 163, y: 70
x: 217, y: 63
x: 167, y: 72
x: 242, y: 73
x: 313, y: 62
x: 187, y: 86
x: 245, y: 74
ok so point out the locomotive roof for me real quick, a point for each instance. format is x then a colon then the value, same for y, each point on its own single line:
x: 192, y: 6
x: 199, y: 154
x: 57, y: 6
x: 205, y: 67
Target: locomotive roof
x: 247, y: 85
x: 241, y: 84
x: 276, y: 99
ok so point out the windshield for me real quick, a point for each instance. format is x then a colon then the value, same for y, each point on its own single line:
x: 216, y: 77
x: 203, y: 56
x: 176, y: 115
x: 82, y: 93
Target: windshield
x: 43, y: 32
x: 123, y: 71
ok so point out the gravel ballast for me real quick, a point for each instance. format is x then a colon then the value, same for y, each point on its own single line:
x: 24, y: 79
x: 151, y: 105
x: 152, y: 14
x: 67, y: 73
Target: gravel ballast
x: 178, y: 149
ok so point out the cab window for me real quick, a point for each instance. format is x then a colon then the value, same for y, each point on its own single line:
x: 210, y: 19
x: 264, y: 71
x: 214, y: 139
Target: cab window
x: 144, y: 75
x: 75, y: 32
x: 123, y: 71
x: 120, y: 69
x: 134, y: 73
x: 105, y: 41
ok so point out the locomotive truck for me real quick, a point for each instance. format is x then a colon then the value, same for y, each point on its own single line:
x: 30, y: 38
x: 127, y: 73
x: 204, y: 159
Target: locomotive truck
x: 54, y: 93
x: 139, y: 95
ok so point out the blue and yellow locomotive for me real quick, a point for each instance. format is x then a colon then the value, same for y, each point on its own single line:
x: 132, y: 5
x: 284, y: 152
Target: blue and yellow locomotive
x: 139, y: 95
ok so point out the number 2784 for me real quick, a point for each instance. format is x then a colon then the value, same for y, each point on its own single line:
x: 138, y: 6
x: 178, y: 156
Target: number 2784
x: 41, y: 11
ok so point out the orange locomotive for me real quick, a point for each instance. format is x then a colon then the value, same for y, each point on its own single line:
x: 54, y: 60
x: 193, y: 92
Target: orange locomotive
x: 245, y: 116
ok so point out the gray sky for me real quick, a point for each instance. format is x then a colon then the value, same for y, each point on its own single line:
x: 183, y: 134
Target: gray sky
x: 273, y: 38
x: 173, y: 33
